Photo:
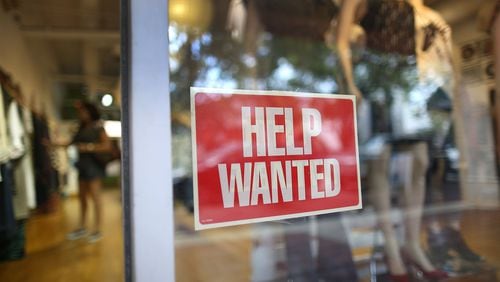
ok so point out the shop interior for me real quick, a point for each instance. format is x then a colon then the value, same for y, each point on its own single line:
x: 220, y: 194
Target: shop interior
x: 423, y: 73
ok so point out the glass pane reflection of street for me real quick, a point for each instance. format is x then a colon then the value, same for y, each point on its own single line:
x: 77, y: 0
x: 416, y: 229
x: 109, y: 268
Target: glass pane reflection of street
x: 426, y: 114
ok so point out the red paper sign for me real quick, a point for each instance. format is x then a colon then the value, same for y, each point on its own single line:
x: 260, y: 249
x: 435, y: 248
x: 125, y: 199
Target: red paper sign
x: 267, y: 155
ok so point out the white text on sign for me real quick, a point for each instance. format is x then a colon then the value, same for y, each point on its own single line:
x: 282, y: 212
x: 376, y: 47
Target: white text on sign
x: 252, y: 181
x: 267, y: 127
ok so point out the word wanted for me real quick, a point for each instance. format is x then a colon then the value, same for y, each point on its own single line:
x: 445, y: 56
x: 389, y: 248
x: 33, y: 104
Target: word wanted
x: 274, y: 181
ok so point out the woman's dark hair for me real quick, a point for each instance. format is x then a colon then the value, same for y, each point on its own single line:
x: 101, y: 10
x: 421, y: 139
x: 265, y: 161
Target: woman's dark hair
x: 94, y: 113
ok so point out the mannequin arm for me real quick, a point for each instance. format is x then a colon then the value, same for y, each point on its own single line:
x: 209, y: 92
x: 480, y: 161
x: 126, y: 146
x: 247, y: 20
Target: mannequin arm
x: 347, y: 18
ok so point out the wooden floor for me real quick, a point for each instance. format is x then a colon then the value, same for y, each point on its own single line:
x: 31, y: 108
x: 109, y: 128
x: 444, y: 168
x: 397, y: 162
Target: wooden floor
x: 212, y: 255
x: 50, y: 257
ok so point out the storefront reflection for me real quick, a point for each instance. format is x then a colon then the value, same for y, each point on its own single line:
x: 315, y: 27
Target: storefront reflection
x: 400, y: 63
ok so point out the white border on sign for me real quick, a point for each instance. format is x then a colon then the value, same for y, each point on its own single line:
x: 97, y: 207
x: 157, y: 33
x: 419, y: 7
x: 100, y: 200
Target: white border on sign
x: 196, y: 90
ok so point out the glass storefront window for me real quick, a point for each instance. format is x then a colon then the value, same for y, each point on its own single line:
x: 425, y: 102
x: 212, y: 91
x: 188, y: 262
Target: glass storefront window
x: 422, y: 74
x: 294, y: 189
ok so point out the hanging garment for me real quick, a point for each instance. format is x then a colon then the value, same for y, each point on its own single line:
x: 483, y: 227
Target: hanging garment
x: 15, y: 144
x: 12, y: 243
x: 13, y: 203
x: 17, y: 137
x: 390, y: 27
x: 27, y: 161
x: 12, y: 235
x: 15, y: 131
x: 4, y: 139
x: 420, y: 41
x: 7, y: 220
x: 397, y: 27
x: 45, y: 174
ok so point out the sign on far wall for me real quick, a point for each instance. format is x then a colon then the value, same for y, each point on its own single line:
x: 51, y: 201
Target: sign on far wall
x: 269, y: 155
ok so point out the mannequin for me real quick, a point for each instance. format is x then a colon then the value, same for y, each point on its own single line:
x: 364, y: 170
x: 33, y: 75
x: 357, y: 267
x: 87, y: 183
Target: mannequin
x: 407, y: 37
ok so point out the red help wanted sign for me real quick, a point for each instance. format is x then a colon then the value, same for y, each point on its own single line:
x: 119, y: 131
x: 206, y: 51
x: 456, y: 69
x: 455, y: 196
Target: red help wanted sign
x: 268, y: 155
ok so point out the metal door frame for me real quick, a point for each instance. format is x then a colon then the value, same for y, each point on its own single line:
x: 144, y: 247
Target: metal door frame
x: 146, y: 163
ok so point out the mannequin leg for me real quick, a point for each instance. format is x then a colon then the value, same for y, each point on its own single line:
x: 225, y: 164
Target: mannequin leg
x: 414, y: 199
x: 381, y: 200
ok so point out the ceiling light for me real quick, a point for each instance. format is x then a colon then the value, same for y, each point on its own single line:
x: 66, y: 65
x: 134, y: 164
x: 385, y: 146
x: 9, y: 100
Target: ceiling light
x: 107, y: 100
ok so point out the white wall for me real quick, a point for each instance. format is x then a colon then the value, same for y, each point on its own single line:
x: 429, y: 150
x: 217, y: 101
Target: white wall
x: 25, y: 69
